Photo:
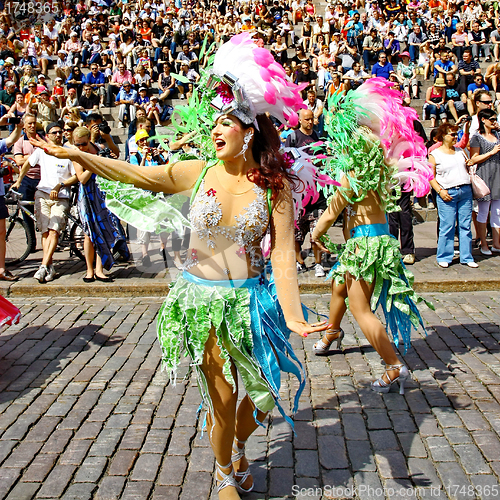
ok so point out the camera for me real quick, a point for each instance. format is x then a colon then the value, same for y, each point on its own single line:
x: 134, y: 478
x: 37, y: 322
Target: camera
x: 104, y: 128
x: 4, y: 171
x: 106, y: 153
x: 13, y: 120
x: 467, y: 119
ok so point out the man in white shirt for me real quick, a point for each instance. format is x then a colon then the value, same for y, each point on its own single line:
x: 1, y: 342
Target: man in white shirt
x: 51, y: 198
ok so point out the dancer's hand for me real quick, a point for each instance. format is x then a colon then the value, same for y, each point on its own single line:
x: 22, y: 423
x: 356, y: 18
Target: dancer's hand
x: 303, y: 328
x: 318, y: 243
x: 51, y: 149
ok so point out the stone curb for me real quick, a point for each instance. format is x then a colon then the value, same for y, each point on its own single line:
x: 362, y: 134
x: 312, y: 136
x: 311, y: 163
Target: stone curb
x: 158, y: 288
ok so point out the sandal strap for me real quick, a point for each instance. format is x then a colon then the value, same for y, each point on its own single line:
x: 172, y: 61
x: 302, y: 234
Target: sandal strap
x: 226, y: 479
x: 393, y: 367
x: 238, y: 453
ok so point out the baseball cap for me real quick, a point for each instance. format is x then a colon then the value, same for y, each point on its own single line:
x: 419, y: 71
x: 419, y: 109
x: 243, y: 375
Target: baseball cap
x: 142, y: 88
x: 141, y: 134
x: 52, y: 125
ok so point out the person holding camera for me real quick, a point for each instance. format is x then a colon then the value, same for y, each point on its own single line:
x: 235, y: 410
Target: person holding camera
x: 100, y: 134
x: 126, y: 101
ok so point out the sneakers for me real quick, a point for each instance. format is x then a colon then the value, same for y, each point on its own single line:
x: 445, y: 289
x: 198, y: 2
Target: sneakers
x: 41, y: 274
x: 417, y: 206
x: 51, y: 273
x: 443, y: 264
x: 409, y: 258
x: 319, y: 272
x: 431, y: 206
x: 182, y: 96
x: 301, y: 268
x: 474, y: 265
x: 120, y: 125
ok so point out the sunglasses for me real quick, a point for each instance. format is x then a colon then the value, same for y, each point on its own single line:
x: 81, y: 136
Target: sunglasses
x: 82, y: 145
x: 56, y: 132
x: 487, y: 102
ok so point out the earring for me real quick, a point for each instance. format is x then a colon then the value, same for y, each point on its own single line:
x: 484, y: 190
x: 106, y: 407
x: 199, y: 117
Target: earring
x: 246, y: 140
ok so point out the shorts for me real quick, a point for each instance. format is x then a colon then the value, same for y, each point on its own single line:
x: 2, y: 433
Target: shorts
x: 4, y: 211
x: 50, y: 214
x: 305, y: 224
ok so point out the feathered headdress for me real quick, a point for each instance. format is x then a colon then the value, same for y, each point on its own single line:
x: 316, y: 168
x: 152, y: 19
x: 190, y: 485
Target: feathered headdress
x: 249, y: 82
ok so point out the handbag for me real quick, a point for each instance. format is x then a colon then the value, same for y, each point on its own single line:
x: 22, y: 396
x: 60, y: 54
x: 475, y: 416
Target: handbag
x: 479, y: 188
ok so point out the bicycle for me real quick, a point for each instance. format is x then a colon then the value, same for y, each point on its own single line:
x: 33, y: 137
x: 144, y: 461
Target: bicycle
x: 19, y: 239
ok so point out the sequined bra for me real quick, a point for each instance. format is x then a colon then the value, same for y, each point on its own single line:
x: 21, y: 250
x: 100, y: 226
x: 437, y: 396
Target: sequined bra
x: 249, y: 228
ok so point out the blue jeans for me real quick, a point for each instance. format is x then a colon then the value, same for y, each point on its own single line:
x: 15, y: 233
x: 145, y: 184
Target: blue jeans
x: 460, y: 207
x: 414, y: 53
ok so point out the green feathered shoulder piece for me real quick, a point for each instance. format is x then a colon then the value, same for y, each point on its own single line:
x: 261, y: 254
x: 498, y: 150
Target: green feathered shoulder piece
x: 353, y: 151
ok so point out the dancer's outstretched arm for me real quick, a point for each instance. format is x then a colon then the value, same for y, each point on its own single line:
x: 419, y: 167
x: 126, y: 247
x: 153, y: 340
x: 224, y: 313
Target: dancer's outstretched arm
x: 173, y: 178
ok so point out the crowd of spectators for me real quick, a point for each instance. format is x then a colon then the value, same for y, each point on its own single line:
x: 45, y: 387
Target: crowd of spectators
x: 73, y: 61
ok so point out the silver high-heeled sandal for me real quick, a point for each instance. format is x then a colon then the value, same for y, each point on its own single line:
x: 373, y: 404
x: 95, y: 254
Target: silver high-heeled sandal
x: 381, y: 385
x: 225, y: 479
x: 321, y: 347
x: 240, y: 477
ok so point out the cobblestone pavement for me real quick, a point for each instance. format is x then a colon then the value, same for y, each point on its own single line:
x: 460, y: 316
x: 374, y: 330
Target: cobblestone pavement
x: 85, y: 411
x: 154, y: 279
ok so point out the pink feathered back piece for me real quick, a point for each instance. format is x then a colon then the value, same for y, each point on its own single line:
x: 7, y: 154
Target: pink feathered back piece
x: 393, y: 124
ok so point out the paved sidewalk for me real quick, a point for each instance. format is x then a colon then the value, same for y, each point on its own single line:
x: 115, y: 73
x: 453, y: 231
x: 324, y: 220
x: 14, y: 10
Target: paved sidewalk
x: 134, y: 279
x: 85, y: 411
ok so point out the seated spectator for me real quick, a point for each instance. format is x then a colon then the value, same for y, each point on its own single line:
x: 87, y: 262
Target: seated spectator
x: 117, y: 80
x: 73, y: 49
x: 166, y: 84
x: 63, y: 65
x: 372, y: 46
x: 27, y: 60
x: 279, y: 50
x: 492, y: 78
x: 355, y: 77
x: 460, y: 41
x: 58, y: 97
x: 415, y: 41
x: 455, y: 103
x: 477, y: 84
x: 348, y: 56
x: 125, y: 100
x: 7, y: 98
x: 88, y: 102
x: 154, y: 111
x: 467, y: 69
x: 52, y: 33
x: 443, y: 65
x: 305, y: 75
x: 188, y: 73
x: 19, y: 107
x: 305, y: 39
x: 142, y: 98
x: 42, y: 83
x: 407, y: 72
x: 478, y: 43
x: 324, y: 59
x: 185, y: 56
x: 383, y: 68
x: 9, y: 74
x: 392, y: 47
x: 142, y: 78
x: 45, y: 110
x: 435, y: 99
x: 75, y: 80
x: 316, y: 106
x: 97, y: 81
x: 51, y: 198
x: 354, y: 30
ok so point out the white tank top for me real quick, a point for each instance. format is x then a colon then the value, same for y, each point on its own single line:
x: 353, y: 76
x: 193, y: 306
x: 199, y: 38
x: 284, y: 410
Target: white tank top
x: 450, y: 169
